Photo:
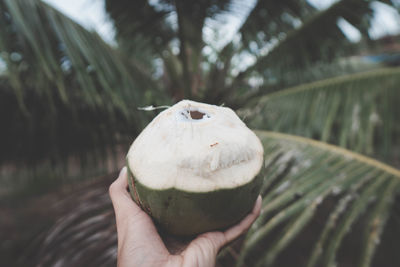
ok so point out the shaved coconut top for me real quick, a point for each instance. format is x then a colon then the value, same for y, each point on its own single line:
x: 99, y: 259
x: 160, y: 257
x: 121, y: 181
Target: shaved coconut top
x: 195, y: 147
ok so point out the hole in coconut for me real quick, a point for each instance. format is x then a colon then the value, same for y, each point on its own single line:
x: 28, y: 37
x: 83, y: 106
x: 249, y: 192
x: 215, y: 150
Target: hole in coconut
x: 196, y: 115
x: 193, y: 114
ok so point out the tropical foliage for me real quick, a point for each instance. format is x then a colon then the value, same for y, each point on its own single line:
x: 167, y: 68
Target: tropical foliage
x: 306, y: 178
x: 65, y: 92
x: 313, y: 195
x: 58, y: 95
x: 355, y: 111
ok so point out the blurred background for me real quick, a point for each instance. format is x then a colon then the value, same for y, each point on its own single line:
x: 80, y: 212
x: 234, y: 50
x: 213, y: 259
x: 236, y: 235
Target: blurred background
x: 74, y: 75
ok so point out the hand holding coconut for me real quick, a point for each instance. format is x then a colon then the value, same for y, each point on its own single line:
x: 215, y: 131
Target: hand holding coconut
x: 139, y: 243
x: 193, y: 171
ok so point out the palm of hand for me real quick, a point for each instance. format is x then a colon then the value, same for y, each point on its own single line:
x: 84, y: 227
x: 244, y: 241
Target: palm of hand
x: 139, y: 243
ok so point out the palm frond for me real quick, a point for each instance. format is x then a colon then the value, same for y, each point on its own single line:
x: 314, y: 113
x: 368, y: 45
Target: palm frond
x: 133, y: 19
x: 73, y: 91
x: 268, y: 19
x: 313, y: 195
x: 317, y: 38
x: 161, y: 24
x: 82, y: 236
x: 356, y: 111
x: 305, y: 179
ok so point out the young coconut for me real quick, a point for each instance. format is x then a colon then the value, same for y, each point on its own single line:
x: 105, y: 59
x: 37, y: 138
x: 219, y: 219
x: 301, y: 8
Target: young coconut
x: 194, y: 168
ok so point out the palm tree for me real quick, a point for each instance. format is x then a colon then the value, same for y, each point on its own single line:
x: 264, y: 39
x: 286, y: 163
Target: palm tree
x: 69, y: 92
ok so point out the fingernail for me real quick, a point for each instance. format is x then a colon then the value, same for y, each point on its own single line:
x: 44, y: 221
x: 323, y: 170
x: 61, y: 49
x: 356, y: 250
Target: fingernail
x: 123, y: 171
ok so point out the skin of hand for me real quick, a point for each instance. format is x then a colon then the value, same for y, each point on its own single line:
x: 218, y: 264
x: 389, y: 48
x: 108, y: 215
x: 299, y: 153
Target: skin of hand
x: 140, y: 244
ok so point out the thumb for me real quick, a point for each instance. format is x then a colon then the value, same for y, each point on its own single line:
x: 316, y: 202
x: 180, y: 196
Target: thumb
x: 120, y: 197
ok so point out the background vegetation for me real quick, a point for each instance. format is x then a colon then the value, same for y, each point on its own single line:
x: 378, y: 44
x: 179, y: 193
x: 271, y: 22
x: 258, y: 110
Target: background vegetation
x: 69, y: 110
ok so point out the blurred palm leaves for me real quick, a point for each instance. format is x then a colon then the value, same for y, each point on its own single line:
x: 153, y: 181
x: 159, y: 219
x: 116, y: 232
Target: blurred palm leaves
x: 69, y: 91
x: 313, y: 195
x: 268, y: 33
x: 357, y: 111
x: 304, y: 178
x: 65, y: 89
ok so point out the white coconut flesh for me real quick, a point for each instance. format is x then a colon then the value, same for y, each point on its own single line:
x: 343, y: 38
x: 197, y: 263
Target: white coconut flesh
x: 195, y: 147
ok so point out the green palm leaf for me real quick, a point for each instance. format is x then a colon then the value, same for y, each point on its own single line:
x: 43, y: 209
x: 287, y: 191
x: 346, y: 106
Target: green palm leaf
x: 313, y: 195
x: 74, y: 92
x: 268, y: 19
x: 357, y: 111
x: 313, y: 37
x: 305, y: 179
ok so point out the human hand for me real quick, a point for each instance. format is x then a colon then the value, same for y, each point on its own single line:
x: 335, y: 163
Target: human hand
x: 139, y: 243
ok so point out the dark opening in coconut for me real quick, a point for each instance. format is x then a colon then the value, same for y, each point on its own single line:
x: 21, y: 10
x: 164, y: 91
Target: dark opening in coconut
x: 196, y: 115
x: 193, y: 114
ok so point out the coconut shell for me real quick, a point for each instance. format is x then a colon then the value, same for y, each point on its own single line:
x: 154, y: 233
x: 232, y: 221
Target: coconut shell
x: 195, y: 168
x: 189, y: 213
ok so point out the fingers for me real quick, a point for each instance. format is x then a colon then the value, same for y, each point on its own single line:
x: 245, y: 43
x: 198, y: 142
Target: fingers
x: 238, y: 229
x: 220, y: 239
x: 120, y: 197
